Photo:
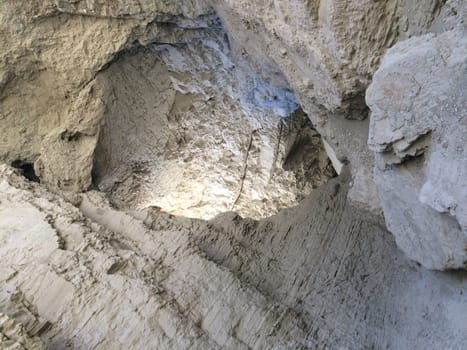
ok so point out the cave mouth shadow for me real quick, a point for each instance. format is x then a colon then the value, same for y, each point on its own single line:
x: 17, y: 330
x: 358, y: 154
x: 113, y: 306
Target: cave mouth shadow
x: 26, y: 169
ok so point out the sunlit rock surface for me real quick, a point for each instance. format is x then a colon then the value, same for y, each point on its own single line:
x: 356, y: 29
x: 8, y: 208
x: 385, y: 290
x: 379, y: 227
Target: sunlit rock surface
x: 190, y: 127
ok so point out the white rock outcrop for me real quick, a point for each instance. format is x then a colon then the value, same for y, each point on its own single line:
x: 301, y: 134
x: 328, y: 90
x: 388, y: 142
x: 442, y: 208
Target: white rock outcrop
x: 418, y: 130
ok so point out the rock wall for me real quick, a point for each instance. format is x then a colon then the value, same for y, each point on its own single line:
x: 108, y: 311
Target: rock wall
x: 418, y: 130
x: 50, y: 105
x: 195, y: 131
x: 97, y: 278
x: 53, y: 103
x: 199, y: 107
x: 84, y: 275
x: 327, y: 50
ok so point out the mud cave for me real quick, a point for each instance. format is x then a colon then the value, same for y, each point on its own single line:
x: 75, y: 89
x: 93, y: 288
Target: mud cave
x: 216, y: 174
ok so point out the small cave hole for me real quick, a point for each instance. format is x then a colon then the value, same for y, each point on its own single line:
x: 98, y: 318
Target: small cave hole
x: 26, y: 169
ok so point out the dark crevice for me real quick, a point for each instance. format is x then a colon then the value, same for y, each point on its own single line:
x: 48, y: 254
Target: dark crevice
x: 305, y: 153
x: 70, y: 135
x: 26, y: 169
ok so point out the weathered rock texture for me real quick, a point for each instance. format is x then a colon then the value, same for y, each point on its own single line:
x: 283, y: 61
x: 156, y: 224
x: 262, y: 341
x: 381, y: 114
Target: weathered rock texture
x: 195, y: 133
x: 199, y: 107
x: 317, y: 276
x: 63, y: 45
x: 327, y: 50
x: 110, y: 281
x: 14, y: 337
x: 419, y: 130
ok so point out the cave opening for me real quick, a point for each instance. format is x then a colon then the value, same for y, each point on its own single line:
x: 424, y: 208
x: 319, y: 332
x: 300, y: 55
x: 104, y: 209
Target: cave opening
x: 26, y: 169
x: 193, y: 128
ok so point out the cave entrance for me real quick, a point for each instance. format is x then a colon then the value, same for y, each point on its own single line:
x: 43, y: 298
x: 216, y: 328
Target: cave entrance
x: 26, y: 169
x: 191, y: 128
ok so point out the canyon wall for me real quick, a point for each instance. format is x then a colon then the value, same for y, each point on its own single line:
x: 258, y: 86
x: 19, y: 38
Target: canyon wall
x: 147, y: 126
x: 323, y: 275
x: 55, y: 98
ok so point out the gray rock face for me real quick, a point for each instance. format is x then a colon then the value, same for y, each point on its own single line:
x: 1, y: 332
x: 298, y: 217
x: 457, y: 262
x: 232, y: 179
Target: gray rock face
x: 418, y: 130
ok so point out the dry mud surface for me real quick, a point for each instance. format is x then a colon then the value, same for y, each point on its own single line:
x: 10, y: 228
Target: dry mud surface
x: 83, y: 275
